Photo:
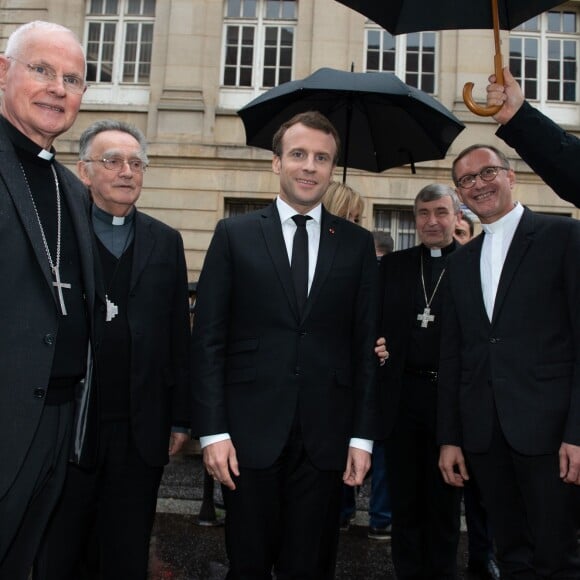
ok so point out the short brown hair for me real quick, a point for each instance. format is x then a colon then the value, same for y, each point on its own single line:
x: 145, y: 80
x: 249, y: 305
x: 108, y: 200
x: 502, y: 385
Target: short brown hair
x: 312, y: 120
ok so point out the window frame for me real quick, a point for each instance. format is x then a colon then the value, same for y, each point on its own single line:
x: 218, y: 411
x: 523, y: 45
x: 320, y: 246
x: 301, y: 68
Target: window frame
x: 236, y: 96
x: 118, y: 91
x: 402, y: 54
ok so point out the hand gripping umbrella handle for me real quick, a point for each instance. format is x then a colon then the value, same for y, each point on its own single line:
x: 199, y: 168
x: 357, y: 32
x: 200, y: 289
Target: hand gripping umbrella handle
x: 481, y: 110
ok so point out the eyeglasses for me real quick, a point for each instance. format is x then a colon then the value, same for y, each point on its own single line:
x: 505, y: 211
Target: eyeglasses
x: 44, y: 73
x: 486, y: 174
x: 118, y: 163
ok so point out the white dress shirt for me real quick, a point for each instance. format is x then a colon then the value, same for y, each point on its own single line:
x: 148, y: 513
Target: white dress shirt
x: 496, y: 243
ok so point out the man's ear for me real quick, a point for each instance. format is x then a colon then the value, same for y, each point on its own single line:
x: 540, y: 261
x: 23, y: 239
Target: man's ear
x: 276, y: 161
x: 82, y: 170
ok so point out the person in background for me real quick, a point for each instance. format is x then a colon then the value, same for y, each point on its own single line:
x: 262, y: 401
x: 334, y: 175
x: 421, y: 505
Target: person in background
x: 142, y: 371
x: 464, y: 230
x: 426, y: 512
x: 508, y: 383
x: 548, y: 149
x: 47, y: 283
x: 341, y: 200
x: 384, y: 244
x: 284, y: 366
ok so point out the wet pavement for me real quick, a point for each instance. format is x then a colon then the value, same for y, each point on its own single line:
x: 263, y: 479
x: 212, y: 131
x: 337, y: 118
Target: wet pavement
x: 183, y: 550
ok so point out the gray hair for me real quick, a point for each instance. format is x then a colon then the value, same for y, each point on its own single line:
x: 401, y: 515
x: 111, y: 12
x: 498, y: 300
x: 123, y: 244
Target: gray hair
x: 17, y: 39
x: 436, y: 191
x: 97, y: 127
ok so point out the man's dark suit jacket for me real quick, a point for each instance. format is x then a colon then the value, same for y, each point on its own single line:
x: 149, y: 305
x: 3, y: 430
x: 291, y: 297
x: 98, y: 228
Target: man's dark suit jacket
x: 549, y: 150
x: 256, y: 364
x: 158, y: 315
x: 400, y: 273
x: 526, y: 361
x: 29, y: 313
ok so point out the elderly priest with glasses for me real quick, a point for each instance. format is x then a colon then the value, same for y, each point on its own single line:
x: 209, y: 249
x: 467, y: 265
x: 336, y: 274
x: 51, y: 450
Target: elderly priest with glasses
x: 142, y: 371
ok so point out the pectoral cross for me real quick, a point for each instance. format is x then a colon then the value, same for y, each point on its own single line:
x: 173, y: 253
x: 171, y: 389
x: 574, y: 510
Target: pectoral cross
x: 426, y: 317
x: 112, y: 309
x: 59, y: 285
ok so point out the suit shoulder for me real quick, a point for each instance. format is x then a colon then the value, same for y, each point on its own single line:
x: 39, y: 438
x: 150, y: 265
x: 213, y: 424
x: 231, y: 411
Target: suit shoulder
x: 160, y: 227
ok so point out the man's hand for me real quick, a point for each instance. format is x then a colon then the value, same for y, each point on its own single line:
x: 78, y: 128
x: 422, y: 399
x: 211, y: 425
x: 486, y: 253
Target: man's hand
x: 509, y: 95
x: 176, y: 442
x: 357, y: 465
x: 570, y: 463
x: 452, y: 465
x: 381, y: 350
x: 220, y: 461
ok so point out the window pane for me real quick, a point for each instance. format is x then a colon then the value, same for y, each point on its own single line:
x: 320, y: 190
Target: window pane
x: 247, y: 55
x: 232, y: 33
x: 230, y: 76
x: 285, y: 75
x: 553, y: 49
x: 270, y: 57
x: 569, y: 71
x: 233, y: 9
x: 569, y: 92
x: 531, y: 48
x: 372, y: 60
x: 246, y: 77
x: 289, y: 9
x: 269, y: 77
x: 428, y: 84
x: 286, y: 57
x: 148, y: 8
x: 554, y: 22
x: 553, y: 69
x: 531, y: 68
x: 531, y: 89
x: 287, y: 37
x: 231, y: 55
x: 373, y: 39
x: 249, y: 9
x: 388, y: 61
x: 273, y: 9
x: 554, y: 91
x: 412, y: 62
x: 569, y: 22
x: 412, y: 79
x: 428, y: 63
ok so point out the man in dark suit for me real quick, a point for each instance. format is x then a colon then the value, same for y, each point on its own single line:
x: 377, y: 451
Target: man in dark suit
x: 425, y: 525
x: 142, y: 369
x: 283, y: 370
x: 47, y: 284
x: 549, y: 150
x: 509, y: 384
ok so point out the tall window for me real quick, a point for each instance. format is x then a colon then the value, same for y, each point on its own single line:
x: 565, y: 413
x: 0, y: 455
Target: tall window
x: 412, y: 57
x: 544, y: 56
x: 398, y: 222
x: 259, y: 42
x: 119, y: 41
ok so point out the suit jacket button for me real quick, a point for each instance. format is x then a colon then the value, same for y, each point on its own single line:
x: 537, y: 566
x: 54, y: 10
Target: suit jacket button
x: 48, y: 339
x: 494, y: 340
x: 38, y: 393
x: 297, y: 371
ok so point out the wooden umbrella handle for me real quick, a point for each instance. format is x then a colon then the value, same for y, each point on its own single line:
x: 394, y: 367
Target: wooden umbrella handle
x: 498, y: 62
x: 481, y: 110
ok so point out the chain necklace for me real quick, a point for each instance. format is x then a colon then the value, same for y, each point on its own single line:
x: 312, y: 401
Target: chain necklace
x: 54, y: 265
x: 426, y: 317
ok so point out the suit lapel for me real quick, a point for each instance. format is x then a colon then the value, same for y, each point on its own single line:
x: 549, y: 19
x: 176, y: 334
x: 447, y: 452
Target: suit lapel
x: 17, y: 189
x: 79, y: 210
x: 522, y: 239
x: 272, y: 232
x: 143, y: 246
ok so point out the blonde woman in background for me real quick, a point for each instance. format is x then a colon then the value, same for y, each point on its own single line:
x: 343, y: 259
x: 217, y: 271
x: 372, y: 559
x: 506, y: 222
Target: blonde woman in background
x: 341, y: 200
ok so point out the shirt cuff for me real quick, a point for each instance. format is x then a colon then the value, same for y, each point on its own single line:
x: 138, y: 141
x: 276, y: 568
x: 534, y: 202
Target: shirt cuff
x: 364, y: 444
x: 209, y: 439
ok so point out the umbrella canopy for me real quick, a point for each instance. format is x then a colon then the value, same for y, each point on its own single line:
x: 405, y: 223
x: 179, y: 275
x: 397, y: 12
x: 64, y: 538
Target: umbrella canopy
x: 402, y: 16
x: 382, y: 122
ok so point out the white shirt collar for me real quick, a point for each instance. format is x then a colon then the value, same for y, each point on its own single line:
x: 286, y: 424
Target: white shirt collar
x: 506, y: 223
x: 286, y: 211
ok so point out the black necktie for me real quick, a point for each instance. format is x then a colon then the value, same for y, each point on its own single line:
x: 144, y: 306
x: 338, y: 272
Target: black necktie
x: 299, y: 265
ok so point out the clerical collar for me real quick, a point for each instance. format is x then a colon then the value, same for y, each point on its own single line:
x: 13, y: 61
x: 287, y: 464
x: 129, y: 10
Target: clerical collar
x: 438, y: 252
x: 25, y: 145
x: 509, y: 221
x: 113, y: 220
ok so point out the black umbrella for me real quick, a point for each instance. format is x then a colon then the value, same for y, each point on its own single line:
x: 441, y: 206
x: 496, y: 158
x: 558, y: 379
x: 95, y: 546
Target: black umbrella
x: 402, y: 16
x: 382, y: 122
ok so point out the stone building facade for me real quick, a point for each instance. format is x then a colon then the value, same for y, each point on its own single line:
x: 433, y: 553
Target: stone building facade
x: 180, y: 69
